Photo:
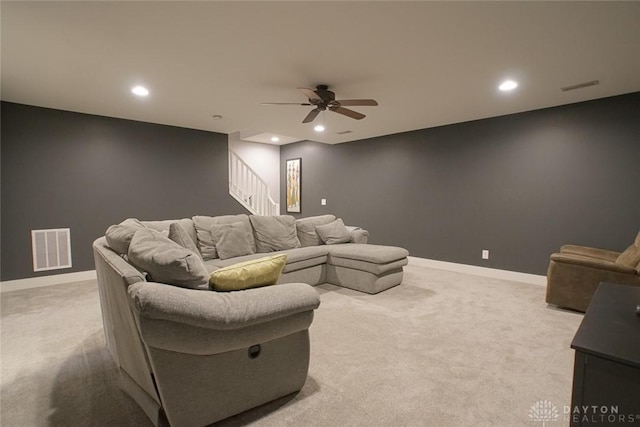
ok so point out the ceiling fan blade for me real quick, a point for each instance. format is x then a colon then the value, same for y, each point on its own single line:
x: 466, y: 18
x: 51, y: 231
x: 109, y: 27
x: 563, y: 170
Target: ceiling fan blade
x: 358, y: 102
x: 349, y: 113
x: 285, y: 103
x: 310, y: 93
x: 312, y: 115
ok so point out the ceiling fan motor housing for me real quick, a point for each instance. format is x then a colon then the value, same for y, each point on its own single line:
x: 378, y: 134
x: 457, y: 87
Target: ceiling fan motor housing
x: 323, y: 92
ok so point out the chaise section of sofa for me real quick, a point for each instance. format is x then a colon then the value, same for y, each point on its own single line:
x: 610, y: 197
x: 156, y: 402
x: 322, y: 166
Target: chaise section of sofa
x: 366, y: 268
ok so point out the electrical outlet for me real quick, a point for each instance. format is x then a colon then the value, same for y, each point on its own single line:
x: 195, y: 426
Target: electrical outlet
x: 485, y: 254
x: 323, y: 202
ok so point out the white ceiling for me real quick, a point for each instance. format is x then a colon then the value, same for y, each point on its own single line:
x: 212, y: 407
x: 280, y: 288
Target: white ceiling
x: 426, y: 63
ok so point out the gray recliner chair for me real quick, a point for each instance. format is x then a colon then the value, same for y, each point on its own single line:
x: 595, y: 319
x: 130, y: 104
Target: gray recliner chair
x: 192, y: 357
x: 576, y: 271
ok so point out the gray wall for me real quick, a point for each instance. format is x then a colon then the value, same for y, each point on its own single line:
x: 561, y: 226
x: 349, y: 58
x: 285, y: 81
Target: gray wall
x: 519, y: 185
x: 63, y: 169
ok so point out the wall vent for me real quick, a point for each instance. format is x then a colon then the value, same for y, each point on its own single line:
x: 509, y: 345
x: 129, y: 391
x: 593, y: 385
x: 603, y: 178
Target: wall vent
x: 580, y: 85
x: 51, y: 249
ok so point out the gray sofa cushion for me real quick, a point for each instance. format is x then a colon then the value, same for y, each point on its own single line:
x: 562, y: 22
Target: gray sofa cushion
x: 231, y: 240
x: 163, y: 226
x: 178, y: 234
x: 119, y: 236
x: 333, y: 233
x: 370, y: 267
x: 166, y: 261
x: 304, y: 264
x: 206, y: 243
x: 274, y: 233
x: 369, y: 253
x: 306, y: 229
x: 358, y: 235
x: 317, y: 254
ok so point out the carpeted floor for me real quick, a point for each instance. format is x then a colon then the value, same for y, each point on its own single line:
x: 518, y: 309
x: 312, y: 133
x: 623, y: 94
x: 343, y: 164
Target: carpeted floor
x: 442, y: 349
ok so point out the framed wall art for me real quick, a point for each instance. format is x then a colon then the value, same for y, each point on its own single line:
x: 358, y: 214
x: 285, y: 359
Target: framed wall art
x: 294, y: 173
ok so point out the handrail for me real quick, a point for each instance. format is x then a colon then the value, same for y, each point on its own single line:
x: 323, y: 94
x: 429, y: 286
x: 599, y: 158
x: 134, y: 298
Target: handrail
x: 248, y: 188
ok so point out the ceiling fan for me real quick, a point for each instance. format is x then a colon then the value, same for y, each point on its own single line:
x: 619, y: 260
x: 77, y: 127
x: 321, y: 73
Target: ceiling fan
x: 324, y: 99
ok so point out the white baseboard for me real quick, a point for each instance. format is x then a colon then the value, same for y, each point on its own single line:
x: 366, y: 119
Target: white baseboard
x: 38, y: 282
x: 495, y: 273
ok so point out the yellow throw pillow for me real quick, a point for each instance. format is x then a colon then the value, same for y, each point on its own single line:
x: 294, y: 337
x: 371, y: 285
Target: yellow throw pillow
x: 249, y: 274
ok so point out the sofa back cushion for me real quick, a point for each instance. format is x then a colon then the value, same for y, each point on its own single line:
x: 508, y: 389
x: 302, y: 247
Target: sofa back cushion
x: 178, y: 234
x: 163, y: 226
x: 306, y: 229
x: 274, y: 233
x: 631, y: 256
x: 166, y: 261
x: 207, y: 243
x: 119, y: 236
x: 333, y: 233
x: 232, y: 240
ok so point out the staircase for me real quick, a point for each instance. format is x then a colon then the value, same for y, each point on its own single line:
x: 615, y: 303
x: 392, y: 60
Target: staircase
x: 246, y: 186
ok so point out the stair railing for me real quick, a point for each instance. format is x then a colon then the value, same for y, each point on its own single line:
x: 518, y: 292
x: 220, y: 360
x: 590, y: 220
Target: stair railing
x: 249, y: 189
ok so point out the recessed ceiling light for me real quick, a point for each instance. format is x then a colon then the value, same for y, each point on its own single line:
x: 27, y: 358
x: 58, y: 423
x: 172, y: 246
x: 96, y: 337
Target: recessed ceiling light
x: 216, y: 117
x: 508, y: 85
x: 275, y: 139
x: 319, y: 128
x: 140, y: 91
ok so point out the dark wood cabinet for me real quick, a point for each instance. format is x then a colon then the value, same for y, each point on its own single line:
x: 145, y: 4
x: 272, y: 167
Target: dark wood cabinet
x: 606, y: 378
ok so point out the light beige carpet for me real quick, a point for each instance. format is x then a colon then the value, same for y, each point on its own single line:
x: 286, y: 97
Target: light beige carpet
x: 442, y: 349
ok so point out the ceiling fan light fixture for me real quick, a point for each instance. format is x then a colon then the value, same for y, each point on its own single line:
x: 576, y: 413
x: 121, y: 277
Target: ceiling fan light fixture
x: 319, y: 128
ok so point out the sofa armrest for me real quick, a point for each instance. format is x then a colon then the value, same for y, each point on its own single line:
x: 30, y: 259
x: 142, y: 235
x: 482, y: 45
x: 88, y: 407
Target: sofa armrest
x: 358, y: 235
x: 586, y: 261
x: 221, y: 310
x: 590, y: 252
x: 198, y: 322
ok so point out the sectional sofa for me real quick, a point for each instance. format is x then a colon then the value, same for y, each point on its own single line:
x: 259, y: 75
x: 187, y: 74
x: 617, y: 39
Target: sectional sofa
x: 190, y: 356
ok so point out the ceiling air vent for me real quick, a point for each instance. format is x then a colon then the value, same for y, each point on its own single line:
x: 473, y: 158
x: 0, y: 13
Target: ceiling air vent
x: 344, y: 132
x: 581, y: 85
x: 51, y: 249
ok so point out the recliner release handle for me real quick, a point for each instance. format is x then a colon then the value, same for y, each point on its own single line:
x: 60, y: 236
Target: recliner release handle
x: 254, y: 351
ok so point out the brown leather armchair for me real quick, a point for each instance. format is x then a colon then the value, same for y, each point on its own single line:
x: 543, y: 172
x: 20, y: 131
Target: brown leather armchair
x: 576, y: 271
